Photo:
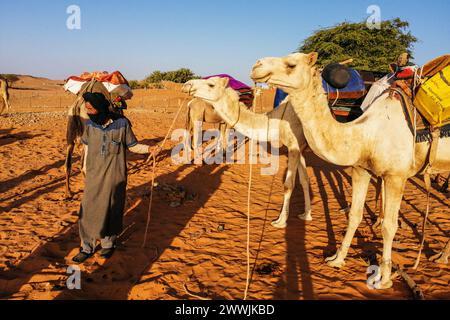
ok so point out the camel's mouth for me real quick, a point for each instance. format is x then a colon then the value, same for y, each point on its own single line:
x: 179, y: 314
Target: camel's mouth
x: 261, y: 78
x: 271, y: 81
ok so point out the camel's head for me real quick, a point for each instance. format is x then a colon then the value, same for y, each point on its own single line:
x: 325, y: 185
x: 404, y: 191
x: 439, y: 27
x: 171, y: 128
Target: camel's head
x: 289, y: 73
x: 210, y: 90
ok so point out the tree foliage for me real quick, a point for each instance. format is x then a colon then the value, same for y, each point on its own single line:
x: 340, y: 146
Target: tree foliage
x: 10, y: 78
x: 371, y: 50
x: 179, y: 76
x: 135, y: 84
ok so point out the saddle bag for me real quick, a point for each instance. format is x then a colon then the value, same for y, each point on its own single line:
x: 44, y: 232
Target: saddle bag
x: 433, y: 97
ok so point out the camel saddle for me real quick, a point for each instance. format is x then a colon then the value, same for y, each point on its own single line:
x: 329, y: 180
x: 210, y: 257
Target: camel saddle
x: 418, y: 120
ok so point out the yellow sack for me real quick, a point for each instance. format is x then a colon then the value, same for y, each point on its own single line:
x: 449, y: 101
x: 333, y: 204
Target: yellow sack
x: 433, y: 98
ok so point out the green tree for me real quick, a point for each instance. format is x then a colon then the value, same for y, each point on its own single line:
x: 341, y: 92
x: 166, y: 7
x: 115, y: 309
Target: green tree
x: 371, y: 49
x: 179, y: 76
x: 10, y: 78
x: 135, y: 84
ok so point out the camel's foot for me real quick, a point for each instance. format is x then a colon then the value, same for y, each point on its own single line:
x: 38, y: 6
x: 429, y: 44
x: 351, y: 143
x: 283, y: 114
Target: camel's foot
x: 335, y: 261
x: 440, y: 258
x: 279, y: 224
x: 305, y: 216
x: 384, y: 285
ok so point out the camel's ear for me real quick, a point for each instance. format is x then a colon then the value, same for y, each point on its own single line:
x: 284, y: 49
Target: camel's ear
x: 225, y: 82
x: 312, y: 58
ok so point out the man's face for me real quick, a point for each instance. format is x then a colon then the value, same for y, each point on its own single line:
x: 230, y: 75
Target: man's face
x: 90, y: 109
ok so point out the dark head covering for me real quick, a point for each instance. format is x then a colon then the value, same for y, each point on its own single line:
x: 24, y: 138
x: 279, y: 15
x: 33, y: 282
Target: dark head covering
x: 99, y: 103
x: 336, y: 75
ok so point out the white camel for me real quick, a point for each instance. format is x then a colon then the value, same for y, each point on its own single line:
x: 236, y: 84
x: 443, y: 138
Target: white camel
x: 380, y: 142
x: 4, y: 96
x: 281, y: 125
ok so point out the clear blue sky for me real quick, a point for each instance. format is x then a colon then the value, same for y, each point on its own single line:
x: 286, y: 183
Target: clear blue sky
x: 208, y: 36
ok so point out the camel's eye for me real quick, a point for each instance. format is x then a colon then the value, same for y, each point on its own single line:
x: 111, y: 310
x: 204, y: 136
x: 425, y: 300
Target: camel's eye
x: 290, y: 65
x: 211, y: 85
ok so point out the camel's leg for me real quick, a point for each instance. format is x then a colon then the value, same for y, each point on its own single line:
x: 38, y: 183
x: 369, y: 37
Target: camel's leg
x: 289, y: 185
x: 223, y: 138
x: 380, y: 191
x: 8, y: 104
x: 360, y: 180
x: 442, y: 258
x: 304, y: 181
x: 2, y: 106
x: 68, y: 168
x: 196, y: 142
x: 394, y: 193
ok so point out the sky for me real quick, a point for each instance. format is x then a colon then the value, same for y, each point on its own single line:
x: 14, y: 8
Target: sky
x: 138, y: 37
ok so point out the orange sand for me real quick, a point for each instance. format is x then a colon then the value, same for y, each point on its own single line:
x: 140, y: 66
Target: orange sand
x: 38, y: 228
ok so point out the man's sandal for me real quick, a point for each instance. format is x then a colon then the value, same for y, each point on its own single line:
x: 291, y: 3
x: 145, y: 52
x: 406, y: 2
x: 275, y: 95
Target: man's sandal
x: 81, y: 257
x: 107, y: 253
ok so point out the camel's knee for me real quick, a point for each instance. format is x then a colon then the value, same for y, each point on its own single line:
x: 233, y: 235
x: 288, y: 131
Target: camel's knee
x: 389, y: 228
x: 354, y: 220
x: 289, y: 183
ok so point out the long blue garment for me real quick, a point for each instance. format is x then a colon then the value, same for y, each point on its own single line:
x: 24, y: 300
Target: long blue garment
x: 279, y: 97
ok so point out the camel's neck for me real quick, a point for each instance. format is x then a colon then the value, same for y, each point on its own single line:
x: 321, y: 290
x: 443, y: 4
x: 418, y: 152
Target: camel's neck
x: 334, y: 142
x: 250, y: 124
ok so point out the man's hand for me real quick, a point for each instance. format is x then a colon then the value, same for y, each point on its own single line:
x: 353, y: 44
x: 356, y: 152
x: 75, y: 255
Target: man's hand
x: 155, y: 150
x: 153, y: 153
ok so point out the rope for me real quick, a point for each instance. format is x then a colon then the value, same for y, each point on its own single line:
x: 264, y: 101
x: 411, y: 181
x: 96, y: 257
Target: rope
x: 194, y: 295
x: 249, y: 194
x: 153, y: 157
x: 416, y: 265
x: 247, y: 285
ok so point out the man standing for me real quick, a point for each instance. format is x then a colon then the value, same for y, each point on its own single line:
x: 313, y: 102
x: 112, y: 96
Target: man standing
x: 107, y: 137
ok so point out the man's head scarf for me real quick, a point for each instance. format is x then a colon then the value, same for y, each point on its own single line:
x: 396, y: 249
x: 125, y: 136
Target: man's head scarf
x: 99, y: 103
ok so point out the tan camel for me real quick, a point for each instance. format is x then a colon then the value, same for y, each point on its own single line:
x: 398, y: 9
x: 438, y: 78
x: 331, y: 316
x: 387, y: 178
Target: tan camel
x: 200, y: 112
x: 281, y: 125
x: 4, y: 96
x: 380, y: 142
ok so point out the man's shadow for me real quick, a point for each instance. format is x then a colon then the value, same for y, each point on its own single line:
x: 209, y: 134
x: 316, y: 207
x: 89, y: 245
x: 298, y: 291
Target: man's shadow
x: 122, y: 272
x: 55, y: 250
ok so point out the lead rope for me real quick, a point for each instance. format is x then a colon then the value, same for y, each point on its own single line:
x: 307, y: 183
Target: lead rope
x: 153, y: 157
x: 247, y: 285
x: 416, y: 265
x: 249, y: 193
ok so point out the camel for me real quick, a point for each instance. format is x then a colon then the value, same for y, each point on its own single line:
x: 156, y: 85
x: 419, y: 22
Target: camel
x: 379, y: 142
x: 4, y: 95
x: 202, y: 112
x: 284, y: 125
